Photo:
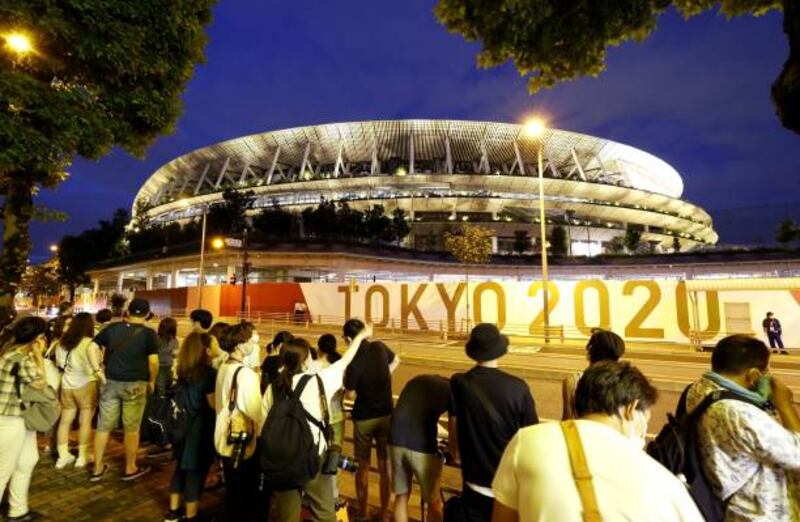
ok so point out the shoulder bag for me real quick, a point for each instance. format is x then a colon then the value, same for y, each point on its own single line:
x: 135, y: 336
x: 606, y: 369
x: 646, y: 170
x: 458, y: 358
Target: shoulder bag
x: 40, y: 408
x: 580, y: 472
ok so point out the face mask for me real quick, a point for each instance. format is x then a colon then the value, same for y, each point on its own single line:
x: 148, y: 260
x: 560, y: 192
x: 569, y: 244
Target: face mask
x: 638, y: 430
x: 764, y: 386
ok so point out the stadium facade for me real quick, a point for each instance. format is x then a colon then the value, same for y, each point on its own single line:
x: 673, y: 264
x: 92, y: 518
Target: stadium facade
x: 443, y: 172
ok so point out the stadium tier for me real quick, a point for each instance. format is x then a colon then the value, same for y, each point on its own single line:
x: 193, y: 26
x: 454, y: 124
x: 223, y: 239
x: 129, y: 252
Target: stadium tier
x: 442, y: 172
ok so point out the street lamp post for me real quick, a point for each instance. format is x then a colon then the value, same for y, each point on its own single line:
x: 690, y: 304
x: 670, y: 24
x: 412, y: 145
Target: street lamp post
x: 245, y: 271
x: 202, y: 276
x: 536, y: 129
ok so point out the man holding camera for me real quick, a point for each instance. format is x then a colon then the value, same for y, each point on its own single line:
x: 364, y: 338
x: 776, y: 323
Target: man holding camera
x: 414, y: 443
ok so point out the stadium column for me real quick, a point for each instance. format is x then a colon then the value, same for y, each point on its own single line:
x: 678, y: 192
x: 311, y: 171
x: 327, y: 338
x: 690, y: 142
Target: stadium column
x: 149, y: 278
x: 494, y: 244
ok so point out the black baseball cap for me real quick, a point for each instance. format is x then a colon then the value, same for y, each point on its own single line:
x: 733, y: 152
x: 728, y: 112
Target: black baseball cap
x: 139, y: 307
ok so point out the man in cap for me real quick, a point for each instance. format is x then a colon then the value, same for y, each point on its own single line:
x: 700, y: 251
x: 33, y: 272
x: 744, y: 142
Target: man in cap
x: 489, y: 407
x: 131, y: 363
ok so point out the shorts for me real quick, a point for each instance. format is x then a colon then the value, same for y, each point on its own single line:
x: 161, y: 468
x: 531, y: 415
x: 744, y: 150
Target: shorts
x: 130, y: 397
x: 367, y: 430
x: 425, y: 467
x: 83, y: 398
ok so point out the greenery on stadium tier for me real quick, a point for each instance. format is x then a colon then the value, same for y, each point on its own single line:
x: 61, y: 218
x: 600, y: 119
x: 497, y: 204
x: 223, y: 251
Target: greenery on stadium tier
x: 551, y: 42
x: 99, y: 75
x: 328, y: 221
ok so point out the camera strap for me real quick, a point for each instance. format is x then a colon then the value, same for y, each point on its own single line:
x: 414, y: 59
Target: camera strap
x: 327, y: 430
x: 234, y: 389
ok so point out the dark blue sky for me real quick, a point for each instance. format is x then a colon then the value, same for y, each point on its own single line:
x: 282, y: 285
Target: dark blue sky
x: 696, y: 94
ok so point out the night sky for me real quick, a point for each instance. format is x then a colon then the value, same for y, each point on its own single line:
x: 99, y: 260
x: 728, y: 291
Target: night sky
x: 695, y: 94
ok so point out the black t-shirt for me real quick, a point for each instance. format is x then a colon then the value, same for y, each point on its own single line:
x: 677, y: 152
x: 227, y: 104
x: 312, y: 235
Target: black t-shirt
x: 416, y: 414
x: 368, y: 375
x: 482, y: 437
x: 127, y: 349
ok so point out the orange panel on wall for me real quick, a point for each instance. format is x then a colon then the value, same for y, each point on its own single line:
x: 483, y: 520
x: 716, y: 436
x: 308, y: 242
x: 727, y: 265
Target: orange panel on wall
x: 266, y: 298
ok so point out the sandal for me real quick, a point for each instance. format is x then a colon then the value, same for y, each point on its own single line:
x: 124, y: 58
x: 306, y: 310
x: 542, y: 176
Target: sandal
x: 94, y: 477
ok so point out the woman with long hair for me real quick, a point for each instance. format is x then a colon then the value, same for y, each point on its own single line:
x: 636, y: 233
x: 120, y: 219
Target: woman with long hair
x: 195, y: 453
x: 79, y: 358
x: 167, y: 348
x: 21, y: 361
x: 296, y: 355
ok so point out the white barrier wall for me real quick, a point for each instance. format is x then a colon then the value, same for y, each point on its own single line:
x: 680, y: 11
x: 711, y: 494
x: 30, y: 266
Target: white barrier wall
x: 649, y: 310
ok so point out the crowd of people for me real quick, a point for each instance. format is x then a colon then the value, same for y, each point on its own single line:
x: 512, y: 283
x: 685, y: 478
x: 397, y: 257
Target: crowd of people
x: 267, y: 420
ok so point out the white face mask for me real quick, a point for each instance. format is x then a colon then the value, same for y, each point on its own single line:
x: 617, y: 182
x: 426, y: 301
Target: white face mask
x: 250, y: 350
x: 638, y: 429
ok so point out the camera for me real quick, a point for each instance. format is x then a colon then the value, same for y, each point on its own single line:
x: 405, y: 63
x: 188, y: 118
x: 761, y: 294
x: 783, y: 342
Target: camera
x: 347, y: 463
x: 238, y: 440
x: 443, y: 450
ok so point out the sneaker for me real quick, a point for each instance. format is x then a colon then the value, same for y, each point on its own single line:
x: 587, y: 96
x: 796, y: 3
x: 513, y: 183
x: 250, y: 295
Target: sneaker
x: 143, y: 470
x: 27, y: 517
x: 63, y: 462
x: 81, y: 463
x: 174, y: 515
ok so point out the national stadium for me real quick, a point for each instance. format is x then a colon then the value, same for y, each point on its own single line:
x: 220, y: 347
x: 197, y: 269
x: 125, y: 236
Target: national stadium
x: 441, y: 172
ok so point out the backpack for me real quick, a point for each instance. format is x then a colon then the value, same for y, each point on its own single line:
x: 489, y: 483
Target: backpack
x: 289, y: 455
x: 676, y: 447
x: 171, y: 415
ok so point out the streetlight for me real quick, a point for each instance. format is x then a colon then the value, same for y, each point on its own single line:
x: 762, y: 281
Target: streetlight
x: 535, y: 129
x: 184, y: 202
x: 54, y: 248
x: 18, y: 43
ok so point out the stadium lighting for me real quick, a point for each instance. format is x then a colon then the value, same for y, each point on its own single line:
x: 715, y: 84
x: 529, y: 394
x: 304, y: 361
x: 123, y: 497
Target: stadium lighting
x: 18, y: 43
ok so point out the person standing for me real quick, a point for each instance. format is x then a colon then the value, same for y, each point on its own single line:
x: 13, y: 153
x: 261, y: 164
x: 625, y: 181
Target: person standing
x: 603, y: 345
x: 131, y: 361
x: 750, y: 450
x: 167, y: 351
x: 414, y: 443
x: 772, y: 327
x: 489, y: 407
x: 195, y: 453
x: 369, y: 378
x: 535, y: 478
x: 80, y: 357
x: 22, y: 359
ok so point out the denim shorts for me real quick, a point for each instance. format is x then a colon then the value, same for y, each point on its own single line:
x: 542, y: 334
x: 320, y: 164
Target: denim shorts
x: 130, y: 398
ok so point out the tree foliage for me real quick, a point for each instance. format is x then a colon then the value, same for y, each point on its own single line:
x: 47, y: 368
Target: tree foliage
x: 472, y: 244
x: 101, y: 74
x: 522, y: 242
x: 676, y: 244
x: 615, y: 246
x: 41, y: 280
x: 631, y: 239
x: 558, y: 241
x: 551, y: 42
x: 787, y: 232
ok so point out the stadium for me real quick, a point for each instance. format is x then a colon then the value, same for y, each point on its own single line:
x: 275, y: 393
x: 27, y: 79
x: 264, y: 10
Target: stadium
x: 441, y: 172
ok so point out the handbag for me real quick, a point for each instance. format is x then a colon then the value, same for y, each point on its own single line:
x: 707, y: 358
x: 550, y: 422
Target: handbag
x: 580, y: 472
x: 40, y: 408
x: 234, y: 433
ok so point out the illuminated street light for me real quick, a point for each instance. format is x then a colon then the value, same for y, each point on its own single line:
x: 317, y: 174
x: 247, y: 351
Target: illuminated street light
x: 218, y: 243
x: 535, y: 128
x: 18, y: 43
x: 54, y: 248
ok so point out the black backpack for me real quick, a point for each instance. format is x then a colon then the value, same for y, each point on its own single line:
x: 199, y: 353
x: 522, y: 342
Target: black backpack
x: 289, y: 455
x: 676, y: 447
x: 171, y: 415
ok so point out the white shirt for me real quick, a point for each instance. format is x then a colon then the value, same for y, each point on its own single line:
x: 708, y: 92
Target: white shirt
x: 535, y: 478
x: 750, y: 457
x: 332, y: 380
x: 78, y: 371
x: 248, y: 393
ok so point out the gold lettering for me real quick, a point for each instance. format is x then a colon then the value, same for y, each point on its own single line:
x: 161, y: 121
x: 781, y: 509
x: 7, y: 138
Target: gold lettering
x: 682, y: 309
x: 451, y: 304
x: 347, y: 290
x: 580, y: 311
x: 500, y: 295
x: 537, y: 326
x: 634, y: 327
x: 372, y: 290
x: 410, y: 307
